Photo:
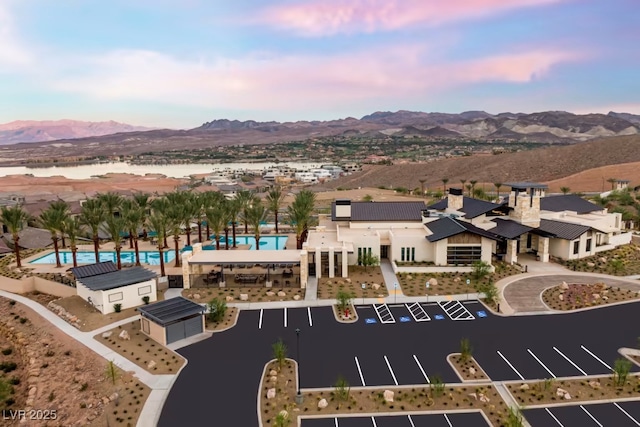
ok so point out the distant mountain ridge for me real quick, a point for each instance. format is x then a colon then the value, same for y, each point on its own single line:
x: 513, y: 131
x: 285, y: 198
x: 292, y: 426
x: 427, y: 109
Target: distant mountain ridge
x: 51, y: 130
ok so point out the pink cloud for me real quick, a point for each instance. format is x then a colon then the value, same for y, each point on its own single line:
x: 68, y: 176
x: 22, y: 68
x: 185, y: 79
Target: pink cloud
x: 327, y: 17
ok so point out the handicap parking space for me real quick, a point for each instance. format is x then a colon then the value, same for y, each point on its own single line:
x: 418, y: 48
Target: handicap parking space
x: 624, y: 414
x: 425, y: 312
x: 469, y: 419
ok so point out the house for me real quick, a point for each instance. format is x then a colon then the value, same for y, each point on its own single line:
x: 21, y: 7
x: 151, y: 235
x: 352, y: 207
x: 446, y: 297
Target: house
x: 103, y: 285
x: 30, y: 238
x: 172, y: 320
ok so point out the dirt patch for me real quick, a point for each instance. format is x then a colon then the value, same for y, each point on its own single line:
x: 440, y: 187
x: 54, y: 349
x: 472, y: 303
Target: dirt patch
x: 451, y: 283
x: 469, y: 369
x: 233, y: 294
x: 621, y: 261
x: 40, y: 297
x: 547, y: 391
x: 229, y: 320
x: 465, y: 397
x: 142, y: 350
x: 57, y: 373
x: 370, y: 277
x: 573, y: 296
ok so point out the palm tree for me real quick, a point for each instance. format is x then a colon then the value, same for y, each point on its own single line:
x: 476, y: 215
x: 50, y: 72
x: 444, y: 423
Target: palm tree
x: 255, y: 215
x: 299, y: 213
x: 73, y: 228
x: 473, y: 183
x: 274, y: 200
x: 498, y: 185
x: 463, y: 182
x: 422, y: 181
x: 444, y: 185
x: 92, y: 215
x: 111, y: 201
x: 217, y: 219
x: 52, y: 220
x: 245, y: 199
x: 14, y: 218
x: 158, y: 223
x: 565, y: 190
x: 115, y: 225
x: 200, y: 202
x: 133, y: 215
x: 233, y: 209
x: 174, y: 217
x: 144, y: 203
x: 161, y: 206
x: 63, y: 207
x: 185, y: 213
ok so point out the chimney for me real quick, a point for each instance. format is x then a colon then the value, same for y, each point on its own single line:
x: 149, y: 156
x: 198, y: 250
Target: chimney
x: 455, y: 199
x: 343, y: 209
x: 527, y: 208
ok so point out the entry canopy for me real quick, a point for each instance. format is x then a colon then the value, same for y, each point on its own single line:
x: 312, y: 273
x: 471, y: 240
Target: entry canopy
x: 237, y: 257
x: 171, y: 310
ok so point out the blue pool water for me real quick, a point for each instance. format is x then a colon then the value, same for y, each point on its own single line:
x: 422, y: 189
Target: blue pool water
x: 146, y: 257
x: 268, y: 243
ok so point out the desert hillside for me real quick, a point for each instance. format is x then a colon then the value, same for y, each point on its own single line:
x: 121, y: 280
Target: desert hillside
x: 542, y: 165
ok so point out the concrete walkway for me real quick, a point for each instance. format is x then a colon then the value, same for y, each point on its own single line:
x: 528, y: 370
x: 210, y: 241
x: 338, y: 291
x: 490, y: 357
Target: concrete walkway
x: 311, y: 292
x: 390, y: 279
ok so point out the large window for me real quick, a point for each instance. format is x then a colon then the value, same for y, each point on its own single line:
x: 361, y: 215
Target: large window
x: 576, y: 247
x: 361, y: 252
x: 588, y: 245
x: 464, y: 254
x: 407, y: 254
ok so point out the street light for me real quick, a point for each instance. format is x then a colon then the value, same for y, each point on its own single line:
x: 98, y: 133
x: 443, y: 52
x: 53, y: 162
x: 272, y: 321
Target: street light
x: 299, y: 397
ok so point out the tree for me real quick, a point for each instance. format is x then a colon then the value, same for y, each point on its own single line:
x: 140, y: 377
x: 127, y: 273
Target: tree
x: 490, y: 291
x: 299, y: 213
x: 92, y: 215
x: 463, y: 182
x: 480, y: 270
x: 514, y: 418
x: 341, y: 391
x: 244, y: 198
x: 367, y: 198
x: 158, y: 223
x: 473, y: 183
x: 282, y: 419
x: 498, y: 185
x: 565, y: 190
x: 621, y: 369
x: 274, y: 199
x: 216, y: 308
x: 617, y: 265
x: 115, y: 226
x: 444, y: 185
x: 216, y: 219
x: 14, y: 218
x: 344, y: 300
x: 233, y: 210
x: 279, y: 352
x: 133, y: 218
x: 200, y: 205
x: 111, y: 371
x: 143, y: 202
x: 466, y: 350
x: 62, y: 207
x: 255, y: 216
x: 368, y: 259
x: 174, y: 224
x: 73, y: 228
x: 52, y: 220
x: 111, y: 201
x: 436, y: 386
x: 422, y: 181
x: 612, y: 181
x: 162, y: 206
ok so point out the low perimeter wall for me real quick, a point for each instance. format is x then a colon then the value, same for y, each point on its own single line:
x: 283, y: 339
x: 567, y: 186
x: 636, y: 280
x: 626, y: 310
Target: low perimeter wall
x: 433, y: 269
x: 33, y: 283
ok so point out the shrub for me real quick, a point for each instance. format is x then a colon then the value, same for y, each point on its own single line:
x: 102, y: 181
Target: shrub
x: 279, y: 350
x: 145, y: 299
x: 7, y: 351
x: 217, y: 308
x: 117, y: 307
x: 8, y: 366
x: 466, y: 350
x: 84, y: 386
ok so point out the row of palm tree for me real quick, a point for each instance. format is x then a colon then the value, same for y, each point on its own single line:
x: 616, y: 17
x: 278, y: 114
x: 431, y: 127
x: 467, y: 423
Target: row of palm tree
x: 169, y: 215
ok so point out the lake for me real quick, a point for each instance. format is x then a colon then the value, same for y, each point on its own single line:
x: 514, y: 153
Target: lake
x: 172, y: 171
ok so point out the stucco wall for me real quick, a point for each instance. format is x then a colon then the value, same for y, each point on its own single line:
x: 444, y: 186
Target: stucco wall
x: 424, y: 249
x: 31, y: 284
x: 130, y: 295
x: 156, y: 332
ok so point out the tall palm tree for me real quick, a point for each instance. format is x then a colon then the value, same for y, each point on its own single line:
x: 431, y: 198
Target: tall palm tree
x: 52, y: 220
x: 92, y: 215
x: 444, y: 185
x: 127, y: 206
x: 245, y: 199
x: 233, y: 209
x: 158, y: 223
x: 463, y: 182
x: 217, y: 220
x: 174, y: 217
x: 200, y: 201
x: 111, y: 201
x: 498, y: 185
x: 63, y: 207
x: 161, y: 205
x: 565, y: 190
x: 422, y: 181
x: 255, y: 215
x: 274, y: 200
x: 115, y: 225
x: 73, y: 228
x: 143, y: 200
x: 299, y: 213
x: 14, y: 218
x: 473, y: 183
x: 133, y: 215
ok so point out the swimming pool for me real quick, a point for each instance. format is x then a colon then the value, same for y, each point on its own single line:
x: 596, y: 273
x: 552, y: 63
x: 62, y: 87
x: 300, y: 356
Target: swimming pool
x: 85, y: 257
x: 268, y: 243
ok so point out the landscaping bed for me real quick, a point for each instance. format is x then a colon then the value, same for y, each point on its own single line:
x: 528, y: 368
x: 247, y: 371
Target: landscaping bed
x: 329, y: 288
x: 621, y: 261
x: 437, y: 397
x: 580, y: 389
x: 88, y: 318
x: 229, y: 320
x: 348, y: 315
x: 573, y: 296
x: 468, y: 368
x: 54, y: 372
x: 141, y: 350
x: 413, y: 284
x: 253, y: 294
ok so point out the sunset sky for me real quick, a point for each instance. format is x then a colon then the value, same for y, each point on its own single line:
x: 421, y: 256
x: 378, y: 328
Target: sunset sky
x: 179, y: 63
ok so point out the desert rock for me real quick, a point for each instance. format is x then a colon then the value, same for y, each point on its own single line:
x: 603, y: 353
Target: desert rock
x: 271, y: 393
x: 322, y: 404
x: 244, y: 297
x: 388, y: 396
x: 124, y: 335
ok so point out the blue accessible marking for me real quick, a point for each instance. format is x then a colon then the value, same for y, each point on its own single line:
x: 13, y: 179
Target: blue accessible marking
x: 439, y: 317
x: 369, y: 321
x: 405, y: 319
x: 481, y: 313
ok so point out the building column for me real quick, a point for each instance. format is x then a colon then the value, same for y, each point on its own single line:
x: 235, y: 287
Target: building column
x: 332, y: 267
x: 304, y: 269
x: 318, y: 263
x: 186, y: 269
x: 512, y: 252
x: 543, y: 249
x: 345, y: 262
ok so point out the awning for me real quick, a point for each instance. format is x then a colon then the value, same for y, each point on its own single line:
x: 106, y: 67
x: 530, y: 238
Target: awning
x: 246, y: 257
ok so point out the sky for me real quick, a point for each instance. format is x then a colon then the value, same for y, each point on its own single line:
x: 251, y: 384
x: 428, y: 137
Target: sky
x: 180, y: 63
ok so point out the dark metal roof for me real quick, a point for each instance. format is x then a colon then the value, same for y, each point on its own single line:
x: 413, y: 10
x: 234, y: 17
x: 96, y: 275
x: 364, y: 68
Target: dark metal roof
x: 118, y: 279
x: 382, y: 211
x: 568, y: 202
x: 471, y: 207
x: 562, y: 230
x: 171, y: 310
x: 526, y: 184
x: 94, y: 269
x: 509, y: 229
x: 446, y: 227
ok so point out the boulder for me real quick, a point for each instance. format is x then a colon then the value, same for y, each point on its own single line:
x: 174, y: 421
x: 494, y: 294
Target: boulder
x: 151, y: 364
x: 375, y: 286
x: 107, y: 334
x: 270, y: 293
x: 329, y: 282
x: 322, y: 404
x: 472, y: 371
x: 591, y: 264
x: 105, y: 400
x: 273, y: 372
x: 282, y: 294
x: 124, y: 335
x: 602, y: 259
x: 113, y: 397
x: 433, y: 281
x: 228, y: 298
x: 560, y: 392
x: 564, y: 285
x: 388, y: 396
x: 244, y: 297
x: 567, y: 396
x: 273, y: 379
x: 483, y: 398
x: 297, y: 297
x: 594, y: 384
x: 596, y: 296
x: 32, y: 391
x: 524, y: 387
x: 409, y: 277
x: 456, y: 279
x: 604, y: 297
x: 197, y: 296
x: 348, y: 280
x: 561, y: 297
x: 271, y: 393
x: 475, y: 396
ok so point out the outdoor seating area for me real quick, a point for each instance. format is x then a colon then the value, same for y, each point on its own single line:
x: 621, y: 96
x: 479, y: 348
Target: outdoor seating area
x: 279, y: 275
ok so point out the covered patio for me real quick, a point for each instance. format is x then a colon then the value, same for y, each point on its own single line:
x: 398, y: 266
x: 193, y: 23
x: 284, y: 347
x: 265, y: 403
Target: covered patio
x: 276, y: 268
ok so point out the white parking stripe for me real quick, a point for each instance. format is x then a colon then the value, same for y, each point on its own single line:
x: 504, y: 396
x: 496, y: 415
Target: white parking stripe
x: 554, y: 417
x: 421, y: 370
x: 260, y: 320
x: 570, y: 361
x: 596, y: 357
x: 447, y: 419
x: 285, y: 317
x: 591, y: 416
x: 309, y: 313
x: 543, y: 365
x: 336, y: 420
x: 511, y: 366
x: 627, y: 414
x: 360, y: 371
x: 374, y: 422
x: 391, y: 370
x: 411, y: 421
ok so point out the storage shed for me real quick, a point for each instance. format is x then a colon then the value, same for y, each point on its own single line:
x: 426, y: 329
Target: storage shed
x: 172, y: 320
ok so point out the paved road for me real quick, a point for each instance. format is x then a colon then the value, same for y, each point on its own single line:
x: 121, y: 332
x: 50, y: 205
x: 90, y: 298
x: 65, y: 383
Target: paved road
x: 220, y: 381
x: 623, y: 414
x: 523, y: 295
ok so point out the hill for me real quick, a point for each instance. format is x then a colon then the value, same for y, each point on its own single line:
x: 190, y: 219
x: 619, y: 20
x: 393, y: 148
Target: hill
x: 541, y: 165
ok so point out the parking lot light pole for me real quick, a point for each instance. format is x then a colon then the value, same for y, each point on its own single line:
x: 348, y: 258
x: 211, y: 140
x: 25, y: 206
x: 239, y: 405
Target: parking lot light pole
x: 299, y: 397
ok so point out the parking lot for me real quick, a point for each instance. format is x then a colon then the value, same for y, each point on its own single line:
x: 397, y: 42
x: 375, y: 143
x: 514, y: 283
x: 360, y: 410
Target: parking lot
x: 621, y: 414
x: 469, y: 419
